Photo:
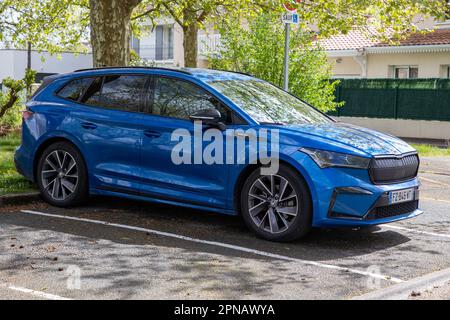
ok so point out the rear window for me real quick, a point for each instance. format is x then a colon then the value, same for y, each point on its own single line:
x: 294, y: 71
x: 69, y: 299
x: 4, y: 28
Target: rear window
x: 75, y: 89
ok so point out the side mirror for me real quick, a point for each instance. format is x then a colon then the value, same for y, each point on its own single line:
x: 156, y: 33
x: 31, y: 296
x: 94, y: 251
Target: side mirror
x: 206, y: 115
x: 209, y: 117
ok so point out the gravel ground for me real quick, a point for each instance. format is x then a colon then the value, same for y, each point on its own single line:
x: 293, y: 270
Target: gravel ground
x: 437, y: 293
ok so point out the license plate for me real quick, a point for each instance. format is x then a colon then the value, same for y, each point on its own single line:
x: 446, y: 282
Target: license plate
x: 401, y: 196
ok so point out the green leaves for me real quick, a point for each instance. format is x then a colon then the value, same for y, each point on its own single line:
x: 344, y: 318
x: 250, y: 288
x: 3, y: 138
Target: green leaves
x: 12, y: 97
x: 15, y: 86
x: 49, y: 25
x: 63, y: 25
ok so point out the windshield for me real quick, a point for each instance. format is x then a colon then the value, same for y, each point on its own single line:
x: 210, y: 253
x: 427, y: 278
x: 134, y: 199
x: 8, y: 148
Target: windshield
x: 268, y: 104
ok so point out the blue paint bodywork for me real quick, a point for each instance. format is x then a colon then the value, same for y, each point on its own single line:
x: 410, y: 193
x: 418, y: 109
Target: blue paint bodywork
x: 122, y: 161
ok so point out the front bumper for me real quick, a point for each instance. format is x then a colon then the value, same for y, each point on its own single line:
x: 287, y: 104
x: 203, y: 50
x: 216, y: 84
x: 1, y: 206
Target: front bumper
x: 380, y: 212
x: 347, y: 197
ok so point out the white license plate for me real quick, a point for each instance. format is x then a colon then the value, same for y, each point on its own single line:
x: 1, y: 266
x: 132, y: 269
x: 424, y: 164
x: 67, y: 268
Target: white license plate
x: 401, y: 196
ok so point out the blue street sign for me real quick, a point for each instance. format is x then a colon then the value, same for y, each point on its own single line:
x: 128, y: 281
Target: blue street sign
x: 289, y: 17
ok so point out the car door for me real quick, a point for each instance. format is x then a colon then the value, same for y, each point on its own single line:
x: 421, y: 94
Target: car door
x: 107, y: 120
x: 172, y: 101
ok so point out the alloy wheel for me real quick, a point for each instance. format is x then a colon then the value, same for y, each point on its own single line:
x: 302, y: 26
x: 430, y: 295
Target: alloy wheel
x: 272, y: 203
x: 60, y: 175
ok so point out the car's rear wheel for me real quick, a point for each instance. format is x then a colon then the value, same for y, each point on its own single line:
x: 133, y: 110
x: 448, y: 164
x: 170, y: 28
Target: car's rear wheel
x: 62, y: 175
x: 277, y: 207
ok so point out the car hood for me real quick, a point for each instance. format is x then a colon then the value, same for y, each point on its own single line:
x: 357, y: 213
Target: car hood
x: 344, y: 135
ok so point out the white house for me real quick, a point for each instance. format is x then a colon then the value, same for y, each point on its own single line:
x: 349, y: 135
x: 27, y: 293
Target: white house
x: 13, y: 63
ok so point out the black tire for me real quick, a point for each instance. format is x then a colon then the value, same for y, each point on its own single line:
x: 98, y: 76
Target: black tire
x: 299, y: 225
x: 78, y: 188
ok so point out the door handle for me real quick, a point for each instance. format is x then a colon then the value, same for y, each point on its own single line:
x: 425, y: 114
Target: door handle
x: 152, y: 134
x: 88, y: 125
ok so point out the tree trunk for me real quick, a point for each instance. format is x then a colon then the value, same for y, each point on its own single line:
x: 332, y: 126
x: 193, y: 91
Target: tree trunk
x: 111, y: 31
x: 190, y: 34
x: 13, y: 97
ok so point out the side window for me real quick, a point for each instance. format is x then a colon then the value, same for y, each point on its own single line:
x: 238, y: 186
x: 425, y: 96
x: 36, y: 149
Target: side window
x: 92, y: 95
x: 117, y: 92
x: 180, y: 99
x: 123, y: 92
x: 75, y: 89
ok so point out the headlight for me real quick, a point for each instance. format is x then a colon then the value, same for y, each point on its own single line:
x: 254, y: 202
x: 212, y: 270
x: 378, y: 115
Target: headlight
x: 325, y: 159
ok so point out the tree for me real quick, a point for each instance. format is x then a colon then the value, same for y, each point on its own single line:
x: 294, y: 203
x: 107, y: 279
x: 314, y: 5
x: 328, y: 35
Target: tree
x: 14, y: 89
x: 385, y: 19
x: 193, y: 15
x: 61, y: 25
x: 258, y: 49
x: 110, y: 22
x: 45, y: 24
x: 388, y: 19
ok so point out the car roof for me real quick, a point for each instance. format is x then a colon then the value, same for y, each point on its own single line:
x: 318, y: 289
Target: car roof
x: 198, y: 73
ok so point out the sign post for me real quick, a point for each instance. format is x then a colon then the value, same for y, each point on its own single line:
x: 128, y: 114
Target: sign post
x: 287, y: 31
x: 288, y: 18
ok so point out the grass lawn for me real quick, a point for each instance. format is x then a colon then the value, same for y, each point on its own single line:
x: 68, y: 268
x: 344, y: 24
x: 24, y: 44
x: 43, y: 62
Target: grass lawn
x: 10, y: 180
x: 431, y: 151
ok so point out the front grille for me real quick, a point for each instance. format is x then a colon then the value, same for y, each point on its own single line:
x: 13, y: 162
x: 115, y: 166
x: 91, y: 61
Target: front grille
x: 391, y: 170
x: 393, y: 210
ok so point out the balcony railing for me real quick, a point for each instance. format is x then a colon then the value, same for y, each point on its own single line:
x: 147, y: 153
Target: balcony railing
x: 156, y: 53
x: 208, y: 44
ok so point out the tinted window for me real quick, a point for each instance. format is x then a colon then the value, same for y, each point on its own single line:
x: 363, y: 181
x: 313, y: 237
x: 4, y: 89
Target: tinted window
x: 117, y: 92
x: 75, y: 88
x: 180, y: 99
x: 92, y: 95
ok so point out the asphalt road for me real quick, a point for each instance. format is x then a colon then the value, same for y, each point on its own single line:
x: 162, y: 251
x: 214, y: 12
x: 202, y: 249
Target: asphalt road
x: 115, y: 249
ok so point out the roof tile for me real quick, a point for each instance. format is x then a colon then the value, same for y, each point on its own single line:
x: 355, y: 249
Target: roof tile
x: 358, y: 40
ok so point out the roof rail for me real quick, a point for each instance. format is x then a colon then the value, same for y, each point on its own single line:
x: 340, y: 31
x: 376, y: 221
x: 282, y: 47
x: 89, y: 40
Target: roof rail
x: 135, y: 67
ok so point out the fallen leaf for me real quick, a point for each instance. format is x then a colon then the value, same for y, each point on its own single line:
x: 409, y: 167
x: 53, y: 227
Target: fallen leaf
x: 415, y: 294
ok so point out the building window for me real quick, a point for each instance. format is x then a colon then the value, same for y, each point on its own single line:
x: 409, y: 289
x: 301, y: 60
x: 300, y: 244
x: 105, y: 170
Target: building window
x: 164, y: 42
x: 170, y: 42
x: 135, y: 44
x: 158, y: 45
x: 406, y: 72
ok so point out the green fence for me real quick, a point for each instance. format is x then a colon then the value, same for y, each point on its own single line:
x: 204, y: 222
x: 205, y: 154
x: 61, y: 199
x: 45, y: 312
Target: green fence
x: 419, y: 99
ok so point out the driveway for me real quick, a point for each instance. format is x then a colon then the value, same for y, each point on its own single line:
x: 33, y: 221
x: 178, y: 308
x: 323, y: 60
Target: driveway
x: 116, y: 249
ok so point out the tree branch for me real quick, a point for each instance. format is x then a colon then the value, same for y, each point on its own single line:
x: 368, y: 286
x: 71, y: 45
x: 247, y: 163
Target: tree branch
x: 146, y: 12
x: 174, y: 16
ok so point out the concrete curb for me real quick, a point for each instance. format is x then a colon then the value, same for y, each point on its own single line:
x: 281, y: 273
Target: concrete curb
x: 21, y: 198
x: 403, y: 290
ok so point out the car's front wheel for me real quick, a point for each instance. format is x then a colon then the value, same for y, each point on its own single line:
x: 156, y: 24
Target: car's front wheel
x: 62, y: 175
x: 277, y: 207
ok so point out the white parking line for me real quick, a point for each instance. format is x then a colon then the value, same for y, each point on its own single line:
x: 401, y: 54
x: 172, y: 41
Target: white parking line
x: 442, y: 235
x: 39, y: 294
x: 223, y: 245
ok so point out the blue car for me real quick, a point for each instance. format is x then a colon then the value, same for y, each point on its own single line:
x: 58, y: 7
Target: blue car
x: 110, y: 131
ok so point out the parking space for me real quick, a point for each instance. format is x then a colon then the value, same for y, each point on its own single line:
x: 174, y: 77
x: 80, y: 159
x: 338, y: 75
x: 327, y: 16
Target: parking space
x: 113, y: 249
